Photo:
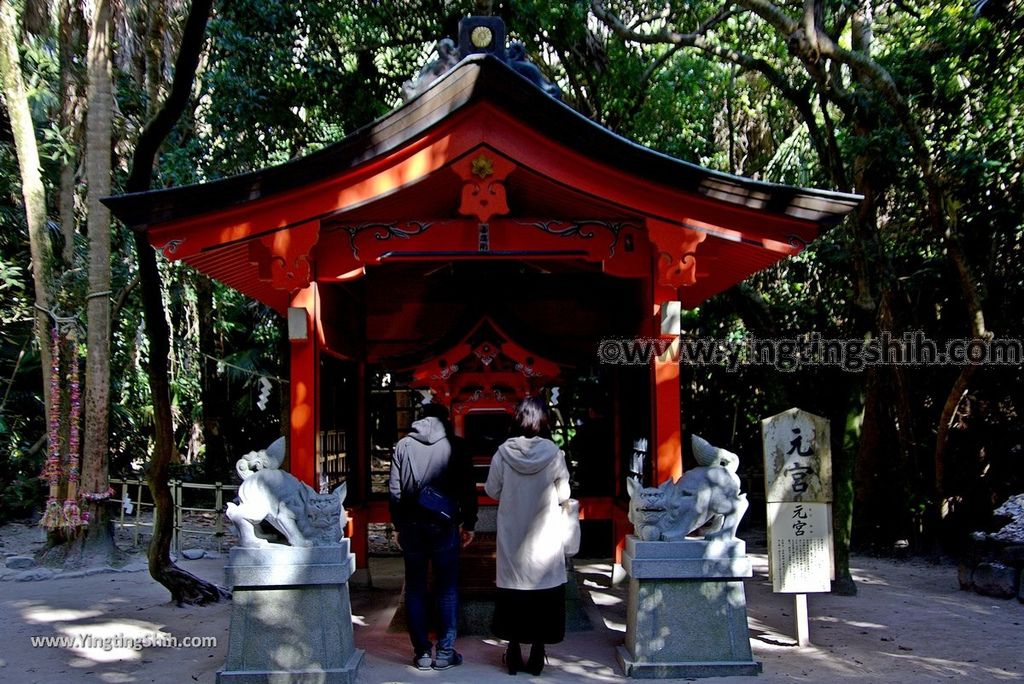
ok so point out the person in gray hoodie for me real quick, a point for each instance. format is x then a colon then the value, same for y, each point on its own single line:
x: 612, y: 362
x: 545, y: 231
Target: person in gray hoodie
x: 529, y: 478
x: 428, y: 455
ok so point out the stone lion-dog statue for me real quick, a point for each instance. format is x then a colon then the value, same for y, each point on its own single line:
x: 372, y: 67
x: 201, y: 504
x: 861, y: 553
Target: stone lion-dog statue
x: 705, y: 499
x: 303, y: 516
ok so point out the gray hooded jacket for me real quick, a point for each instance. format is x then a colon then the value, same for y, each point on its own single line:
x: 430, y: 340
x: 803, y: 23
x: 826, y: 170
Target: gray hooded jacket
x: 529, y: 479
x: 420, y: 458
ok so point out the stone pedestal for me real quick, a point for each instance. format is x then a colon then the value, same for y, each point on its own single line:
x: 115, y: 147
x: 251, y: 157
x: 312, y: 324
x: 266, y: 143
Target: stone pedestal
x: 687, y: 612
x: 291, y: 619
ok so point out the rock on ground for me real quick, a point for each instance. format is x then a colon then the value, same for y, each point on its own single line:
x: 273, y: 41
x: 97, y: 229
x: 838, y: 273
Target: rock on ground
x: 20, y: 562
x: 1013, y: 531
x: 996, y: 580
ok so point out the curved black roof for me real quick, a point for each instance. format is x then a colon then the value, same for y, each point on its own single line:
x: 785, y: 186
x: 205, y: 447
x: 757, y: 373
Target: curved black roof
x: 481, y: 77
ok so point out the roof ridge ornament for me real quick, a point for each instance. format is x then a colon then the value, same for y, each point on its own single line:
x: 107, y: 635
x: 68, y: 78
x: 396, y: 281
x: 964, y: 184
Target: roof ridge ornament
x: 479, y: 35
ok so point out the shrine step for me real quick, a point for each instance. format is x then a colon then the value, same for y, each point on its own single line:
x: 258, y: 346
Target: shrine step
x: 476, y: 600
x: 478, y: 567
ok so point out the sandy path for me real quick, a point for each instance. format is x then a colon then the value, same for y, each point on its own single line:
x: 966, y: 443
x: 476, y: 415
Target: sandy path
x: 909, y: 623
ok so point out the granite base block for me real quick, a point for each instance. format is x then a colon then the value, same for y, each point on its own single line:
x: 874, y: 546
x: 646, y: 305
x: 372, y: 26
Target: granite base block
x: 687, y: 620
x: 687, y: 610
x: 690, y: 559
x: 291, y: 616
x: 278, y: 565
x: 683, y: 670
x: 345, y: 675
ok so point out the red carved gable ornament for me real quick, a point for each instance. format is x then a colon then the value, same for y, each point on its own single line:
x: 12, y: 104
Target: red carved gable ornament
x: 483, y: 174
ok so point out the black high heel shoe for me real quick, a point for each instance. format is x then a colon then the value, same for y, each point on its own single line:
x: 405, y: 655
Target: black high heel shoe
x: 513, y: 658
x: 535, y: 665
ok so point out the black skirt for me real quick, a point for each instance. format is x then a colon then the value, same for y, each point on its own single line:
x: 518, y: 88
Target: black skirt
x: 534, y: 616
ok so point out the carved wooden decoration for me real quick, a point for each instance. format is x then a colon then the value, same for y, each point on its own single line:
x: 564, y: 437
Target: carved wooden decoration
x: 364, y: 239
x: 587, y: 230
x: 483, y: 174
x: 170, y: 248
x: 676, y: 252
x: 283, y: 257
x: 485, y: 365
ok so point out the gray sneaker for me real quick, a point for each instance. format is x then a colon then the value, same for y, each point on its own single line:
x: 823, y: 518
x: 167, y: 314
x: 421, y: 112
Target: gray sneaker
x: 445, y: 662
x: 423, y: 661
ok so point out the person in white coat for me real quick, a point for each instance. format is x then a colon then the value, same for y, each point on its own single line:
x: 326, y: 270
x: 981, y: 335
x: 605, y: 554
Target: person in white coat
x: 529, y: 478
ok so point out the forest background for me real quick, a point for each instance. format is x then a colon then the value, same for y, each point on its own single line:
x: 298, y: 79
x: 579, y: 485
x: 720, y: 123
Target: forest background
x: 915, y: 105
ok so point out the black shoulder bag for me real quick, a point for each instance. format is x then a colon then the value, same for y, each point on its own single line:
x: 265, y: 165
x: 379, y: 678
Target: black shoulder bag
x: 433, y: 499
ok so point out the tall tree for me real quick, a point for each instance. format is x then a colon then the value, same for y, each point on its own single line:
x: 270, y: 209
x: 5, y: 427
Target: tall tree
x: 70, y: 30
x: 184, y: 586
x: 33, y: 190
x: 98, y: 140
x: 797, y: 48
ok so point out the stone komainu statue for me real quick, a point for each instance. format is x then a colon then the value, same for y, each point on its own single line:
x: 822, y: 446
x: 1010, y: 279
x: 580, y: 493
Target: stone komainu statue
x: 449, y: 54
x: 706, y: 498
x: 521, y: 64
x: 447, y: 57
x: 304, y: 517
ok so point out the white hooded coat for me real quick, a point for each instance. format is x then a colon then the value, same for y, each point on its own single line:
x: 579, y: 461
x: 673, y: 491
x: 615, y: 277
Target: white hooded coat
x: 529, y: 479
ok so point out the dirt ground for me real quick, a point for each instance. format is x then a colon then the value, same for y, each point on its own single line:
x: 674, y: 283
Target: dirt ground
x: 908, y: 623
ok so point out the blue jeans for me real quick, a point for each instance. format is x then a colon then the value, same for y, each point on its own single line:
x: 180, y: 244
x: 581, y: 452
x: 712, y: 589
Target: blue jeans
x: 426, y: 544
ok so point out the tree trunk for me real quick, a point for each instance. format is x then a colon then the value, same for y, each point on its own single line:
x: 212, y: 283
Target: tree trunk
x: 185, y: 587
x: 844, y: 462
x: 215, y: 461
x: 154, y: 53
x: 32, y: 187
x: 66, y: 207
x: 70, y: 25
x: 36, y: 18
x: 98, y: 136
x: 946, y: 419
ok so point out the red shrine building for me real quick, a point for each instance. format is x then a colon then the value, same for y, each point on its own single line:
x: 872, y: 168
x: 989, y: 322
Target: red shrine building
x: 472, y: 247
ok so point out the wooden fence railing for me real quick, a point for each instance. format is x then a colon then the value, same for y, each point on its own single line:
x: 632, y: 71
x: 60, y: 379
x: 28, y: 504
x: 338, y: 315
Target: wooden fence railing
x: 137, y: 491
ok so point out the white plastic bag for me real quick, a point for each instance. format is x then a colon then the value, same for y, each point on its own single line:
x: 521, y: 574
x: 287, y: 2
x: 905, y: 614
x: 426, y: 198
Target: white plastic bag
x: 571, y: 531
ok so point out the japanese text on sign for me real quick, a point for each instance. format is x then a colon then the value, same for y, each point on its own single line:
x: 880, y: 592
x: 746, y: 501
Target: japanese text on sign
x: 801, y: 560
x: 797, y: 457
x: 798, y: 489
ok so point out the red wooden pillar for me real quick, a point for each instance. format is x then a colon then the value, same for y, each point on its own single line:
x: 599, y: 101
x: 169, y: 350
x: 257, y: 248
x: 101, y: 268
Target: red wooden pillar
x: 666, y: 430
x: 359, y: 532
x: 674, y: 267
x: 362, y: 445
x: 619, y: 528
x: 304, y: 334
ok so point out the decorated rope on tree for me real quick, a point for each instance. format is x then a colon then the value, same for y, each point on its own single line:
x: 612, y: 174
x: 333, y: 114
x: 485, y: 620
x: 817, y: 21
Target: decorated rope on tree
x: 93, y: 497
x: 53, y: 517
x: 73, y: 516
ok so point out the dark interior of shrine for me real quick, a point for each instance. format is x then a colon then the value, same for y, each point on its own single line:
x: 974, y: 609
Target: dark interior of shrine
x: 559, y: 310
x: 400, y: 314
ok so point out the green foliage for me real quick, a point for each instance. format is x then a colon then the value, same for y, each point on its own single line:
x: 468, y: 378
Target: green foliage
x: 20, y: 380
x: 282, y: 79
x: 289, y: 77
x: 20, y: 417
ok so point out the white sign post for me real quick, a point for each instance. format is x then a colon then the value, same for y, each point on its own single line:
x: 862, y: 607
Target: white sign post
x: 798, y: 489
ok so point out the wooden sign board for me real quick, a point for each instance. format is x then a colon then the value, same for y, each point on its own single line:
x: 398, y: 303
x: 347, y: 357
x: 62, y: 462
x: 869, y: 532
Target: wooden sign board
x: 798, y: 489
x: 801, y: 547
x: 797, y: 457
